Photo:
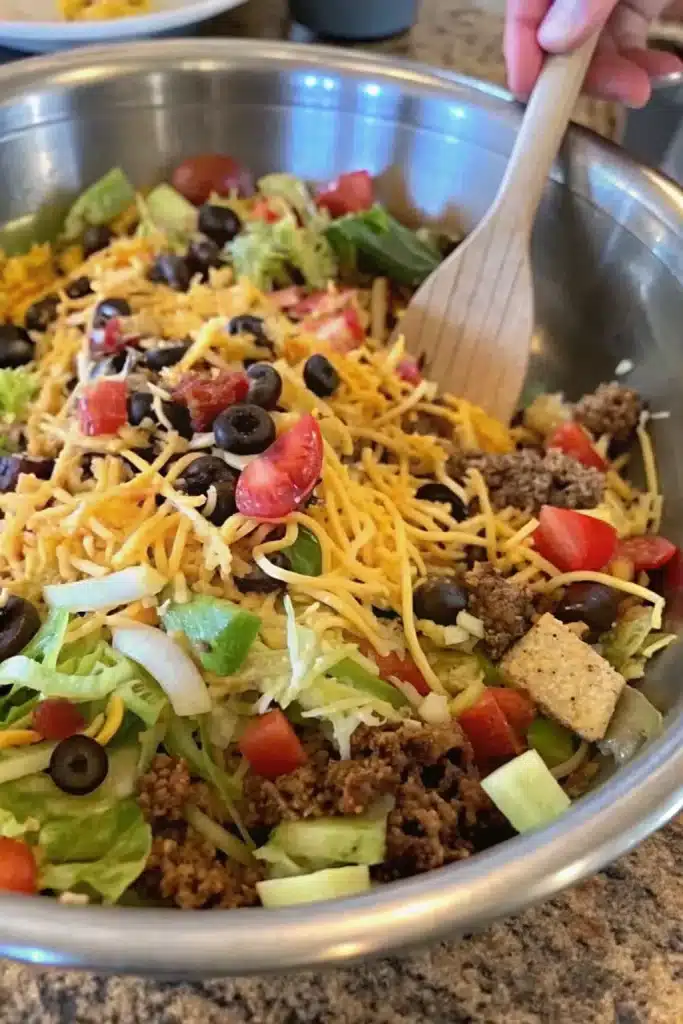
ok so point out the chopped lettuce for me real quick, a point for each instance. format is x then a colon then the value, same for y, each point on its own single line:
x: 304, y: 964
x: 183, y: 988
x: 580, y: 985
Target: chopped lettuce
x: 49, y: 640
x: 227, y: 630
x: 100, y: 204
x: 376, y: 241
x: 294, y: 192
x: 143, y: 696
x: 349, y: 671
x: 18, y: 762
x: 634, y: 722
x: 96, y: 682
x: 265, y: 253
x: 631, y: 642
x: 219, y: 836
x: 107, y: 856
x: 17, y: 388
x: 11, y: 828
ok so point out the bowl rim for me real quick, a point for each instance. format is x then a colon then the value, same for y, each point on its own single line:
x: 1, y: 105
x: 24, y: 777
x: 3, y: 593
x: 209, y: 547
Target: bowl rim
x: 456, y: 899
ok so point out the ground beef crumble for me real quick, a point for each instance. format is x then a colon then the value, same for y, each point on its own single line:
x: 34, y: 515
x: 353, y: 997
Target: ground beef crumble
x: 440, y: 815
x: 504, y: 607
x: 611, y: 409
x: 527, y: 479
x: 165, y: 789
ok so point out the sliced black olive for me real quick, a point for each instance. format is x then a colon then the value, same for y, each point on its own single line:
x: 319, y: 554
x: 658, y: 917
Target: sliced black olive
x: 244, y: 430
x: 265, y: 385
x: 248, y: 324
x: 259, y: 582
x: 171, y: 269
x: 79, y: 288
x: 19, y: 623
x: 179, y: 417
x: 219, y: 223
x: 158, y: 358
x: 320, y: 376
x: 203, y: 254
x: 385, y: 613
x: 140, y: 407
x: 42, y: 313
x: 11, y: 466
x: 95, y: 238
x: 444, y: 495
x: 78, y: 765
x: 107, y: 309
x: 204, y: 471
x: 225, y: 501
x: 439, y: 599
x: 16, y: 347
x: 593, y: 603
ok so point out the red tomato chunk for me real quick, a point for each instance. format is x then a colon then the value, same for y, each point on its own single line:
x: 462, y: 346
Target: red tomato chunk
x: 102, y: 407
x: 572, y: 541
x: 206, y: 396
x: 57, y: 719
x: 271, y: 746
x: 349, y: 193
x: 573, y: 440
x: 200, y: 176
x: 650, y: 552
x: 279, y: 481
x: 492, y: 737
x: 18, y: 870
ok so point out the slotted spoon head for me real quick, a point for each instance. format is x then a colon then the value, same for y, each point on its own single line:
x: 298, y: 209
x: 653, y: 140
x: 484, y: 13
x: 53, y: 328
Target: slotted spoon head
x: 472, y: 320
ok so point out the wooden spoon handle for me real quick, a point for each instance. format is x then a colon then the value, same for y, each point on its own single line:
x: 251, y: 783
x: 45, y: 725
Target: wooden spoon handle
x: 542, y: 130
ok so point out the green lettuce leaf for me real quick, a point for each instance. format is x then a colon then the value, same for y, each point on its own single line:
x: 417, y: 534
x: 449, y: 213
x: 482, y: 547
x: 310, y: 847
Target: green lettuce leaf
x: 107, y: 856
x: 383, y: 245
x: 95, y: 684
x: 99, y: 204
x: 17, y: 388
x: 167, y: 211
x: 10, y: 828
x: 49, y: 640
x: 264, y: 253
x: 143, y: 696
x: 227, y: 630
x: 294, y: 192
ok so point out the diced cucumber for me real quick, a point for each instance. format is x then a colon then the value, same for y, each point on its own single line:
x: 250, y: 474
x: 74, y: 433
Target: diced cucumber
x: 526, y: 793
x: 100, y: 203
x: 171, y: 213
x: 332, y: 884
x: 330, y: 841
x: 553, y: 741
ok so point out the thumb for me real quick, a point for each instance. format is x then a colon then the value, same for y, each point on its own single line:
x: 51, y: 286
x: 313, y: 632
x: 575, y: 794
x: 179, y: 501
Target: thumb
x: 569, y: 22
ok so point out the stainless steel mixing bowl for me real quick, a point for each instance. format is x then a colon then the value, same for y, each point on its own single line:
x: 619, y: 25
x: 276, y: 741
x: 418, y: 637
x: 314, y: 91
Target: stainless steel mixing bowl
x: 608, y: 257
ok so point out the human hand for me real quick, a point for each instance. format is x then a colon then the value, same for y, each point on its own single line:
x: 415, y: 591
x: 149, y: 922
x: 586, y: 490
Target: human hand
x: 622, y: 67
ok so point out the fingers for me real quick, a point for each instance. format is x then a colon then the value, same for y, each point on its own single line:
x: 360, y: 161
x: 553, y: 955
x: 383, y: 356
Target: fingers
x: 626, y: 76
x: 523, y: 53
x: 569, y: 22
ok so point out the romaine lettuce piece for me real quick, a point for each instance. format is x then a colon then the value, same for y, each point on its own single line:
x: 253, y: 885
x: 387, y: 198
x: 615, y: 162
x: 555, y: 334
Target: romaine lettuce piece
x: 96, y: 684
x: 17, y: 388
x: 383, y: 245
x: 171, y: 213
x: 227, y: 630
x: 49, y: 640
x: 294, y: 192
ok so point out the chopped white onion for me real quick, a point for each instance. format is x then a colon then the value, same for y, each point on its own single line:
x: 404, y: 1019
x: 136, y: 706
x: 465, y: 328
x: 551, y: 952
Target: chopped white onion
x: 175, y: 672
x: 434, y: 709
x: 238, y: 462
x: 106, y: 592
x: 471, y: 624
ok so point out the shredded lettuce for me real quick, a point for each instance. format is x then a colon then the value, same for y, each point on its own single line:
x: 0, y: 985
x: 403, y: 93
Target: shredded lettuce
x: 11, y: 828
x: 632, y: 642
x: 98, y: 681
x: 226, y: 629
x: 49, y: 640
x: 17, y: 388
x: 378, y: 242
x: 294, y: 192
x: 99, y: 204
x: 264, y: 253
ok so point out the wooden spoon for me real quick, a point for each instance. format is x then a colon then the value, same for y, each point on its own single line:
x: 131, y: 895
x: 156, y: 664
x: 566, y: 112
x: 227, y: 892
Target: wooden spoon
x: 473, y: 318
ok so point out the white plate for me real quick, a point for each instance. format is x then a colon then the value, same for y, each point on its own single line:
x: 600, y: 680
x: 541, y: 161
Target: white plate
x: 34, y: 25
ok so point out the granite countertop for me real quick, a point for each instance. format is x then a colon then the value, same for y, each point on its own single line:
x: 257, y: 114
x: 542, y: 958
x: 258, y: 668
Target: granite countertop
x: 608, y: 952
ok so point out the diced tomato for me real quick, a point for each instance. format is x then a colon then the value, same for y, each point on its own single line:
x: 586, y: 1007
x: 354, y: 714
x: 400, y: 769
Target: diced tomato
x: 404, y: 669
x: 264, y: 210
x: 343, y: 331
x: 349, y: 193
x: 206, y: 396
x: 320, y: 304
x: 572, y: 541
x: 200, y: 176
x: 573, y: 440
x: 409, y: 371
x: 649, y: 552
x: 286, y: 298
x: 57, y: 719
x: 102, y: 407
x: 279, y: 481
x: 18, y: 869
x: 516, y: 707
x: 492, y: 737
x: 110, y: 339
x: 271, y: 746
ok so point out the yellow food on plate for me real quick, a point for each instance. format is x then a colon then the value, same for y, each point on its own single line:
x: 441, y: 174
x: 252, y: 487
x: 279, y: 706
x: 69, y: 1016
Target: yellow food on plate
x: 102, y: 10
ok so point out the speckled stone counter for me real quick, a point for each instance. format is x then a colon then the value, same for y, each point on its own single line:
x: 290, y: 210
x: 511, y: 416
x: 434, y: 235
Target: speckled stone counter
x: 608, y: 952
